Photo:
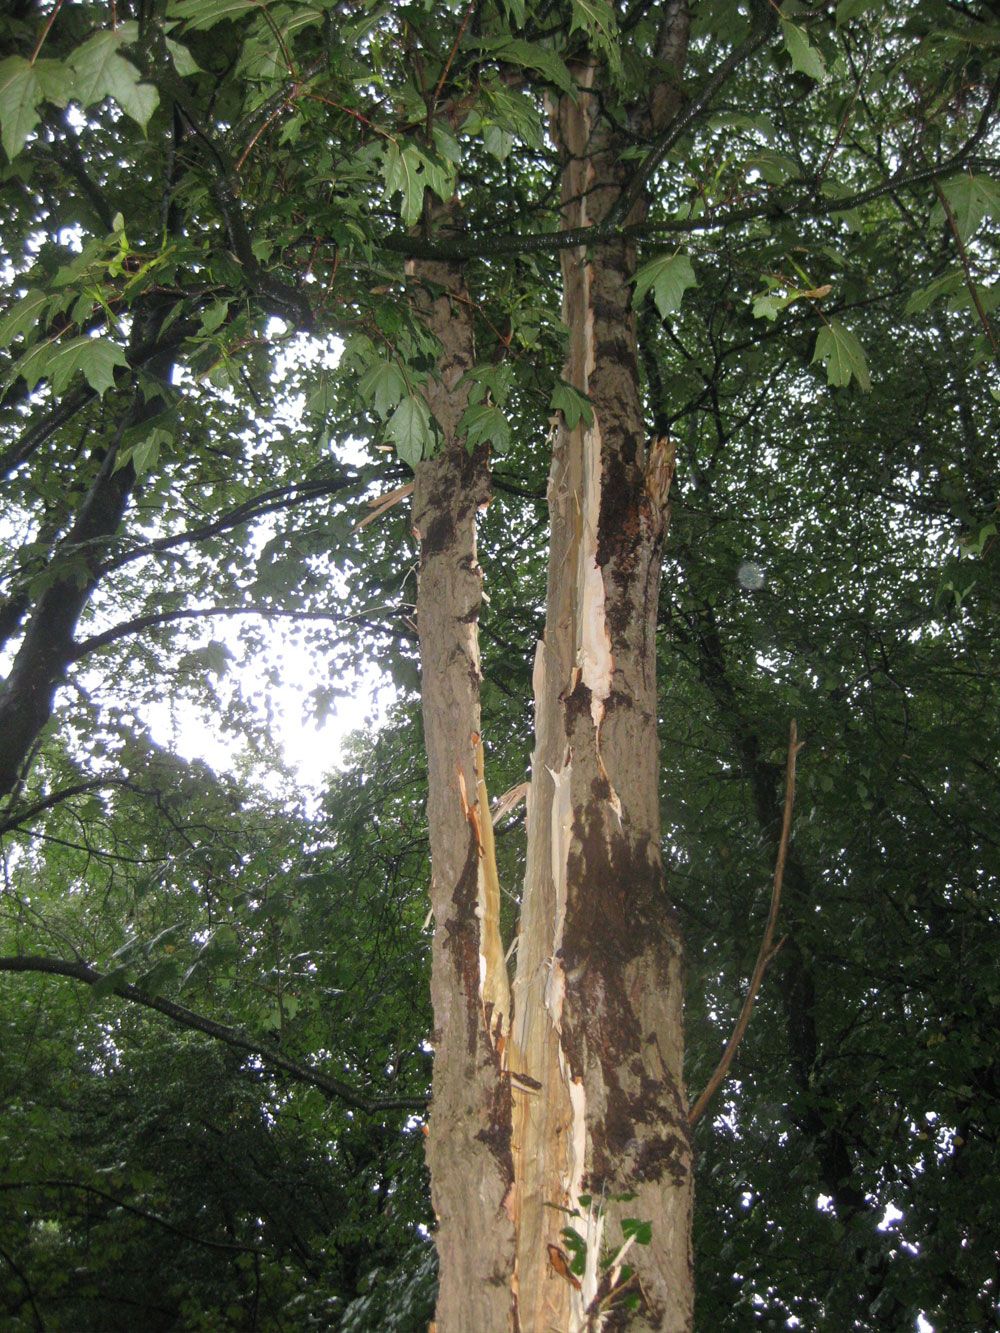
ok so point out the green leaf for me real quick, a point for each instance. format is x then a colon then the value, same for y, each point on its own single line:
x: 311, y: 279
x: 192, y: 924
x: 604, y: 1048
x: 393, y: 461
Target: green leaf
x: 214, y: 316
x: 805, y: 58
x: 146, y: 453
x: 769, y: 306
x: 497, y: 142
x: 642, y: 1231
x: 971, y: 198
x: 407, y: 172
x: 95, y: 358
x: 409, y: 429
x: 775, y: 168
x: 668, y: 277
x: 21, y: 92
x: 843, y: 355
x: 101, y: 72
x: 200, y: 15
x: 213, y: 657
x: 852, y: 9
x: 597, y: 19
x: 184, y: 61
x: 515, y: 12
x: 741, y: 120
x: 531, y: 55
x: 572, y: 404
x: 987, y: 297
x: 945, y: 285
x: 484, y: 423
x: 383, y: 385
x: 24, y: 316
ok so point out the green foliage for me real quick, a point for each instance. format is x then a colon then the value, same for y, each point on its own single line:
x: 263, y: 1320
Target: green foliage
x: 668, y: 278
x: 208, y: 319
x: 805, y: 57
x: 842, y: 354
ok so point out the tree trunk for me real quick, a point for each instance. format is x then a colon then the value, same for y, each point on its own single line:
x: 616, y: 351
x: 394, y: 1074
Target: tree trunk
x: 47, y: 646
x: 600, y: 1120
x: 468, y: 1147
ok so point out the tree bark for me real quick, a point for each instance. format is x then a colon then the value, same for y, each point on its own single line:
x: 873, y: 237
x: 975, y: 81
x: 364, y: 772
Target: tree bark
x: 600, y: 1122
x: 47, y: 647
x: 468, y: 1145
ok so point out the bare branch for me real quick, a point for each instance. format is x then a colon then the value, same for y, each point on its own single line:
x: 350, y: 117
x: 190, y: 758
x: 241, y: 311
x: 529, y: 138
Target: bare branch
x: 269, y: 502
x: 767, y: 948
x: 472, y: 247
x: 140, y: 623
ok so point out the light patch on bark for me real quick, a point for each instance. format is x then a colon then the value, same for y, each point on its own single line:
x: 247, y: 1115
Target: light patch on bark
x: 494, y: 987
x: 562, y: 828
x: 593, y: 654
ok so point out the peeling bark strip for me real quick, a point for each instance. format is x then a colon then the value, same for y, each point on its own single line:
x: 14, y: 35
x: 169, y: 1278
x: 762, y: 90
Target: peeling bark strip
x: 468, y: 1146
x: 597, y: 995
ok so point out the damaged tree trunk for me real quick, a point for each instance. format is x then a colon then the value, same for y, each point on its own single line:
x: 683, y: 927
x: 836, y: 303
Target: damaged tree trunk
x: 559, y: 1144
x: 468, y: 1146
x: 601, y: 1143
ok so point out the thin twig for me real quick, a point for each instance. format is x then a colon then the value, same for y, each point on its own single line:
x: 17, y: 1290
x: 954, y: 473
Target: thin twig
x: 970, y: 281
x: 451, y: 55
x: 767, y: 949
x: 45, y: 31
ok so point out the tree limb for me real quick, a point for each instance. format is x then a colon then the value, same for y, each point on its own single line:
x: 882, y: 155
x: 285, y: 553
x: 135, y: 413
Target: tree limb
x: 470, y: 247
x: 230, y: 1036
x: 767, y: 949
x: 683, y: 121
x: 231, y: 1246
x: 283, y: 497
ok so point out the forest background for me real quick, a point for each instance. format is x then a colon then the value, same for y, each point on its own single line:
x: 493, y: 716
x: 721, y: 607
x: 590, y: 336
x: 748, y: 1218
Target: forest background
x: 218, y: 365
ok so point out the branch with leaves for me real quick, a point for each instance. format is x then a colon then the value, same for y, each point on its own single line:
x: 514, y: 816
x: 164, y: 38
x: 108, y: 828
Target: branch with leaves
x: 112, y: 983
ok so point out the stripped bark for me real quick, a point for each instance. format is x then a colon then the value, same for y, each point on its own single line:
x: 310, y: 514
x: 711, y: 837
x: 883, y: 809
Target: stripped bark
x: 598, y: 996
x: 468, y: 1146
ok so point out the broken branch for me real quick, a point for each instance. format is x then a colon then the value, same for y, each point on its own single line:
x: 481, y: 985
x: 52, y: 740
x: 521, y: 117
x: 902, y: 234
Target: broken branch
x: 767, y: 949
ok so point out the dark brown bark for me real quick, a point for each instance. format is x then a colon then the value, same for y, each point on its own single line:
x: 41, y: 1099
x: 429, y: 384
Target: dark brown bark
x: 27, y: 694
x: 47, y: 646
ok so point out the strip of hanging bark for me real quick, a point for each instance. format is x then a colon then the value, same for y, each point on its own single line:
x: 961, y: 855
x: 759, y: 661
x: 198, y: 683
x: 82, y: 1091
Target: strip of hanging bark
x: 509, y: 801
x: 381, y: 504
x: 767, y: 948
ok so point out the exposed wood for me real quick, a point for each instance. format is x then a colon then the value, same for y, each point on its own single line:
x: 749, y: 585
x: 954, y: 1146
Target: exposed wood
x: 598, y: 993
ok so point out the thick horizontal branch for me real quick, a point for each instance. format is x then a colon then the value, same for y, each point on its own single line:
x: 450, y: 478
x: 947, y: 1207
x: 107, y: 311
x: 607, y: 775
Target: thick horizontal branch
x: 488, y: 247
x: 229, y: 1036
